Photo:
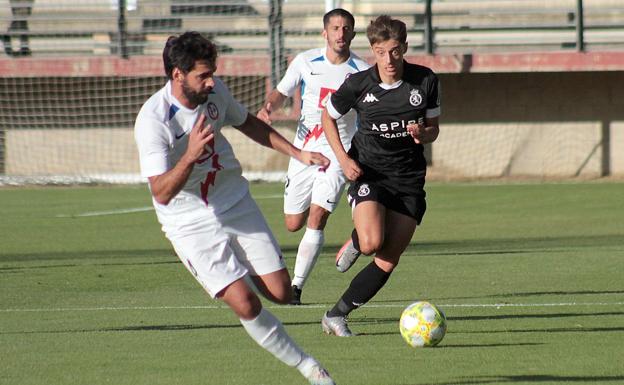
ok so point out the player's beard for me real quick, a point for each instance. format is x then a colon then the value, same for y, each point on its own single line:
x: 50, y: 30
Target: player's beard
x: 193, y: 96
x: 341, y: 49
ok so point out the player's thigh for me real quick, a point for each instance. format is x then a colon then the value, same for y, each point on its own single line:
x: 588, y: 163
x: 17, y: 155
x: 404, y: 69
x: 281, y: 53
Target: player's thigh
x: 204, y: 249
x: 298, y: 188
x: 369, y: 213
x: 398, y: 235
x: 255, y: 247
x: 327, y: 188
x: 369, y: 221
x: 274, y: 286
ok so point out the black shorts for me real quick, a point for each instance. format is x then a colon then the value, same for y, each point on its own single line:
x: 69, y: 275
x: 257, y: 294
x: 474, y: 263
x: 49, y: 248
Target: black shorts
x: 413, y: 205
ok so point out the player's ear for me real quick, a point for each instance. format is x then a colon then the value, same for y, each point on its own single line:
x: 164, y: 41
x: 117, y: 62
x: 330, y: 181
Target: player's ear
x: 177, y: 74
x: 404, y: 48
x: 324, y: 34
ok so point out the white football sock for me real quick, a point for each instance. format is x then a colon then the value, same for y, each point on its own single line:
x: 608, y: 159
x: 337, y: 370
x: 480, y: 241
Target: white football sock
x: 269, y: 333
x: 307, y: 255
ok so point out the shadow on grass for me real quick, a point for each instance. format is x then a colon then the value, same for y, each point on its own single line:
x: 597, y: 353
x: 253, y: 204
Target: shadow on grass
x: 18, y: 268
x: 460, y: 247
x: 538, y: 378
x: 354, y: 322
x: 534, y: 316
x: 86, y: 255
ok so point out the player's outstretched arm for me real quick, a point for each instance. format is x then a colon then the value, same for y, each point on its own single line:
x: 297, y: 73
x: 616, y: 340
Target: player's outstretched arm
x: 266, y: 135
x: 166, y: 186
x: 274, y: 101
x: 349, y: 166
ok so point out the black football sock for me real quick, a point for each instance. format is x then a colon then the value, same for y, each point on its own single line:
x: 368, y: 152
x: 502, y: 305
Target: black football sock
x: 363, y: 287
x: 355, y: 240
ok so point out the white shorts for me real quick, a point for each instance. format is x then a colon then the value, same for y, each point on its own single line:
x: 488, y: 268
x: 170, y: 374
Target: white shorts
x: 221, y: 249
x: 309, y: 184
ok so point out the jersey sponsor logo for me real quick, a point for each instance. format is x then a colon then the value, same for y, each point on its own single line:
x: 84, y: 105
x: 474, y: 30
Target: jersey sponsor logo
x: 392, y: 126
x: 392, y: 135
x: 370, y: 98
x: 324, y: 95
x: 415, y: 98
x: 364, y: 190
x: 213, y: 111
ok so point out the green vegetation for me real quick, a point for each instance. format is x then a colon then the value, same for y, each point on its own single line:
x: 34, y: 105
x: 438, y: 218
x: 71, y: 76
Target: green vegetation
x: 529, y: 275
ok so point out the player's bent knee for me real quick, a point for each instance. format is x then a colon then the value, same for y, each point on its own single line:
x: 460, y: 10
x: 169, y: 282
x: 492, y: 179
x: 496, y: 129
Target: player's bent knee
x: 294, y: 222
x: 370, y: 245
x: 281, y: 297
x: 243, y: 301
x: 248, y: 307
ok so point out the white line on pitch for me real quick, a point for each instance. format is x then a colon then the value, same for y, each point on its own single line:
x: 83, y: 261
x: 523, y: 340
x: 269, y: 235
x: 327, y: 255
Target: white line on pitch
x: 135, y: 209
x: 106, y: 212
x: 317, y: 306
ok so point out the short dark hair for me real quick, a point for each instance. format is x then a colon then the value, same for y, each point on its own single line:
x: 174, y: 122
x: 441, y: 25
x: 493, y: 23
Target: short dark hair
x: 338, y: 12
x: 386, y: 28
x: 185, y: 50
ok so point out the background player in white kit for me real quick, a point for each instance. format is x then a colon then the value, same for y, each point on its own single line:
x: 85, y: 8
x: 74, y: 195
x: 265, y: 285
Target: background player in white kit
x: 202, y: 200
x: 311, y: 193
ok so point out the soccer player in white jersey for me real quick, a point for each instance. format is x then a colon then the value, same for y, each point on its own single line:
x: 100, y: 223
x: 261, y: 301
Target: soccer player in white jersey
x: 203, y: 202
x: 311, y: 192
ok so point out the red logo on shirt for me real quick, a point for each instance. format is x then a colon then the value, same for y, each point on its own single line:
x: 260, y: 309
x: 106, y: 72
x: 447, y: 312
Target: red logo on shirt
x: 324, y: 96
x: 315, y: 132
x: 211, y: 176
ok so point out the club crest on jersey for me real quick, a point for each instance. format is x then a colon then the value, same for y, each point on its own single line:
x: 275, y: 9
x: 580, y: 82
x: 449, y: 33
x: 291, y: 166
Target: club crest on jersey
x: 415, y: 98
x: 364, y: 190
x: 213, y: 111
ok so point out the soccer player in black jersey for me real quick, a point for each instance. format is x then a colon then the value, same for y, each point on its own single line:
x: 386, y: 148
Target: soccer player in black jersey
x: 398, y: 105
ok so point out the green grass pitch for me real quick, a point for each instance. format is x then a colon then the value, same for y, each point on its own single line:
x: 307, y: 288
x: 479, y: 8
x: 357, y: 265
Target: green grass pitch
x: 531, y: 277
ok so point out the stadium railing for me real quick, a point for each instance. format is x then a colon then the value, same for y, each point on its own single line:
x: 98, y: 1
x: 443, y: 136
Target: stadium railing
x: 96, y: 27
x: 68, y: 114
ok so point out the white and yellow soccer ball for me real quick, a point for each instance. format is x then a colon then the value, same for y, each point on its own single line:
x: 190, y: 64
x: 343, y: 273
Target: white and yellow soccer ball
x: 422, y: 324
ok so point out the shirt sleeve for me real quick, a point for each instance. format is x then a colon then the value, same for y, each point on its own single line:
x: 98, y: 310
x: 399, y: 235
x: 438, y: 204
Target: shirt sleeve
x: 343, y: 100
x: 153, y: 145
x: 292, y: 79
x: 433, y: 97
x: 235, y: 113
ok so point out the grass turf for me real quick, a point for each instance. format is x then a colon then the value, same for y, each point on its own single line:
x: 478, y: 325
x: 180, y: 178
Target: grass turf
x: 529, y: 276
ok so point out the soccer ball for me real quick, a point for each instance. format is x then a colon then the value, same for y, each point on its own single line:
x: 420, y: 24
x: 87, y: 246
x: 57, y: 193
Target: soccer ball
x: 422, y: 324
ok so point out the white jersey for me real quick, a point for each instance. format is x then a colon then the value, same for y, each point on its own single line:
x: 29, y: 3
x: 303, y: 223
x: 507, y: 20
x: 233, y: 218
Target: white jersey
x: 161, y: 131
x: 318, y: 78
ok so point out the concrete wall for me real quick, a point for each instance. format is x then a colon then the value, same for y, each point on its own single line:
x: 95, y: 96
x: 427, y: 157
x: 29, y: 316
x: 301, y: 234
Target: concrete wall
x: 531, y: 124
x: 493, y: 124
